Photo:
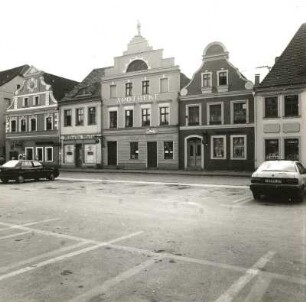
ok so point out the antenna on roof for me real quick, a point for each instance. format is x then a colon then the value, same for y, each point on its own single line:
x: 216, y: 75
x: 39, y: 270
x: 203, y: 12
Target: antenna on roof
x: 264, y: 66
x: 139, y: 28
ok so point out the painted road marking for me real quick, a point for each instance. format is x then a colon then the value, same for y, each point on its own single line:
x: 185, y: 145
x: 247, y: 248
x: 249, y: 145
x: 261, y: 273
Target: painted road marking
x: 153, y: 183
x: 14, y: 235
x: 259, y: 289
x: 250, y: 274
x: 241, y: 200
x: 65, y: 256
x: 97, y: 291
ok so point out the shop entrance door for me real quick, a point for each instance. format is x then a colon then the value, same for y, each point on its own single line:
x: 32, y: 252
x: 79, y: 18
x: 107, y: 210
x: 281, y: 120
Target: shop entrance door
x: 78, y: 155
x: 112, y: 153
x: 152, y: 154
x: 194, y: 156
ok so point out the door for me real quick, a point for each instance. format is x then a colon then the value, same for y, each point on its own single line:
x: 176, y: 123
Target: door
x: 194, y: 156
x: 78, y: 155
x: 112, y: 153
x: 152, y: 154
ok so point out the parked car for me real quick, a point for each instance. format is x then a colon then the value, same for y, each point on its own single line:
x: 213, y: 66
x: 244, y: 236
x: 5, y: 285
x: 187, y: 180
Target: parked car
x: 276, y: 177
x: 20, y: 170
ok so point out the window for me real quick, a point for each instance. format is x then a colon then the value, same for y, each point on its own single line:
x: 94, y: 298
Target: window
x: 25, y: 102
x: 113, y: 119
x: 113, y: 91
x: 134, y: 150
x: 18, y: 86
x: 91, y: 115
x: 218, y: 147
x: 145, y: 87
x: 215, y: 114
x: 271, y: 107
x: 239, y: 112
x: 193, y: 115
x: 128, y: 118
x: 13, y: 126
x: 128, y: 89
x: 291, y: 148
x: 49, y: 123
x: 238, y: 147
x: 206, y: 80
x: 137, y: 65
x: 79, y: 117
x: 67, y: 117
x: 164, y: 85
x: 23, y: 125
x: 39, y: 154
x: 29, y: 154
x: 33, y: 124
x: 222, y: 78
x: 168, y: 150
x: 146, y: 114
x: 49, y: 154
x: 164, y: 115
x: 291, y: 105
x: 36, y: 100
x: 271, y: 149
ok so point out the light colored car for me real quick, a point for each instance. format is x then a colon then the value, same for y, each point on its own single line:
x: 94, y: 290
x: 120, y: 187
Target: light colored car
x: 277, y: 177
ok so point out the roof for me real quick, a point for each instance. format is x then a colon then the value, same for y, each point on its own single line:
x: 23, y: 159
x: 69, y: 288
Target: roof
x: 8, y: 75
x: 290, y: 67
x: 184, y: 80
x: 90, y: 85
x: 60, y: 86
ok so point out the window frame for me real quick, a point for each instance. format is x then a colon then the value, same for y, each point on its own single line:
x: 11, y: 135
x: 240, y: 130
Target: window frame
x: 89, y: 123
x: 46, y: 152
x: 129, y: 89
x: 42, y: 153
x: 246, y: 102
x: 25, y: 102
x: 136, y: 151
x: 141, y: 115
x: 30, y: 123
x: 164, y: 150
x: 279, y: 147
x: 212, y: 147
x: 298, y: 106
x: 277, y: 105
x: 299, y: 147
x: 65, y: 116
x: 244, y: 146
x: 145, y: 87
x: 166, y: 114
x: 210, y: 80
x: 77, y: 115
x: 187, y: 114
x: 25, y: 123
x: 130, y: 109
x: 25, y: 153
x: 208, y: 112
x: 110, y: 110
x: 218, y: 78
x: 36, y: 100
x: 13, y: 120
x: 52, y: 124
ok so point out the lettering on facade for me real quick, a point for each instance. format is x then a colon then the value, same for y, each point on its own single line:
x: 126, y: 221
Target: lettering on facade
x: 138, y: 99
x: 76, y: 137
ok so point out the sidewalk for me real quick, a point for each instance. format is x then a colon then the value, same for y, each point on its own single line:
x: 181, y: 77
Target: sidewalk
x: 164, y: 172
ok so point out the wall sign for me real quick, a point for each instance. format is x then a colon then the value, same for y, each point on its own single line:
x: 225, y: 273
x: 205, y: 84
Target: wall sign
x: 138, y: 99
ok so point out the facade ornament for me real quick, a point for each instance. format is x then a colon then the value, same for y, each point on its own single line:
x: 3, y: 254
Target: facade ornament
x: 139, y: 28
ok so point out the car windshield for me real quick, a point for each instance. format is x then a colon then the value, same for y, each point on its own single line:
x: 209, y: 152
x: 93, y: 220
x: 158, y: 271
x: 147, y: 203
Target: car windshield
x: 11, y: 164
x: 284, y: 166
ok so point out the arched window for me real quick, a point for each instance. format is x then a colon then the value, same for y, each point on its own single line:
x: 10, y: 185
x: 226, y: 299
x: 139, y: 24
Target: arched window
x: 137, y: 65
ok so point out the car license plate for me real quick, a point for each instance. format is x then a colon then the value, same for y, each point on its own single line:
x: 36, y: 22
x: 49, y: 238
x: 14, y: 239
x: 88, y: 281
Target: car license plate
x: 273, y: 181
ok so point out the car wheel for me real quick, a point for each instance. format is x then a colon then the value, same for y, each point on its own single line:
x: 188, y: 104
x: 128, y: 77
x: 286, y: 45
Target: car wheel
x: 4, y: 180
x: 20, y: 179
x: 256, y: 196
x: 51, y: 176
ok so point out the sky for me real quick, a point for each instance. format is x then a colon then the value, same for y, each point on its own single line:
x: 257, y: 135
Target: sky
x: 69, y: 38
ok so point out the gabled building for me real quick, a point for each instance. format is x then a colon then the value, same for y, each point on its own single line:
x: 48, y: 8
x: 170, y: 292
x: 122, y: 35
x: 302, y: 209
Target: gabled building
x: 217, y: 116
x: 140, y: 109
x: 10, y: 80
x: 32, y: 120
x: 81, y: 123
x: 281, y: 105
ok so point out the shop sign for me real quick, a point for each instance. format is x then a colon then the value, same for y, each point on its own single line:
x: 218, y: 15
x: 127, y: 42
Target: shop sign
x: 138, y: 99
x: 76, y: 137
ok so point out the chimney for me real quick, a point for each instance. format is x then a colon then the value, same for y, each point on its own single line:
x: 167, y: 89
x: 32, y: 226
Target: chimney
x: 257, y: 79
x: 276, y: 59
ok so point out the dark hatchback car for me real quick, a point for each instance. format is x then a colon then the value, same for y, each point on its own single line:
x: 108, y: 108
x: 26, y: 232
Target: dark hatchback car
x: 19, y: 170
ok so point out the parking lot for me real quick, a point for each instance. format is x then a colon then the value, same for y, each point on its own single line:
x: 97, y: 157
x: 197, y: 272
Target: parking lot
x: 113, y: 237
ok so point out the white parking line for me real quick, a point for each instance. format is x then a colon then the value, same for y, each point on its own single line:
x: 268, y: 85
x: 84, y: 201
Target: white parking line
x: 259, y: 289
x: 14, y: 235
x: 65, y: 256
x: 153, y: 183
x: 87, y: 296
x: 241, y: 200
x: 250, y: 274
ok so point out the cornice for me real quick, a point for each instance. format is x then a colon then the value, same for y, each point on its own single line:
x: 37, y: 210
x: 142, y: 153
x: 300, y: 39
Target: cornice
x: 216, y: 95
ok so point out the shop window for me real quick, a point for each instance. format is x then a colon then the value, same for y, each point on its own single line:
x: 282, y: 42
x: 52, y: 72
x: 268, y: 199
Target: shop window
x: 134, y: 150
x: 49, y: 154
x: 271, y: 107
x: 39, y: 154
x: 168, y: 150
x: 128, y: 118
x: 91, y: 115
x: 238, y: 147
x: 215, y: 114
x: 23, y: 125
x: 218, y: 147
x: 113, y: 119
x: 239, y: 112
x: 164, y: 85
x: 164, y: 115
x: 29, y: 153
x: 113, y: 91
x: 291, y: 105
x: 79, y: 117
x: 67, y: 117
x: 193, y: 117
x: 222, y: 78
x: 128, y: 89
x: 13, y: 126
x: 145, y: 87
x: 49, y: 123
x: 291, y: 149
x: 90, y: 153
x: 146, y: 116
x: 33, y: 124
x: 206, y: 80
x: 271, y: 149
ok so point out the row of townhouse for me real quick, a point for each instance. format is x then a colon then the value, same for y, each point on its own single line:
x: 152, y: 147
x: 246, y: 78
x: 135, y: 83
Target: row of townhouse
x: 142, y: 112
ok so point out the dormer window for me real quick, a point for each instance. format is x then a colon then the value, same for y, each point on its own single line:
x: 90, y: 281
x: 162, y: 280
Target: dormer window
x: 222, y: 78
x: 206, y: 80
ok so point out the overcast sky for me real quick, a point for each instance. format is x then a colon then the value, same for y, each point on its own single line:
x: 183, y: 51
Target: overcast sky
x: 69, y: 38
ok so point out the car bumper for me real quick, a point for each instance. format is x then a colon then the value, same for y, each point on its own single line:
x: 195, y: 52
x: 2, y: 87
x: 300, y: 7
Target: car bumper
x: 275, y: 189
